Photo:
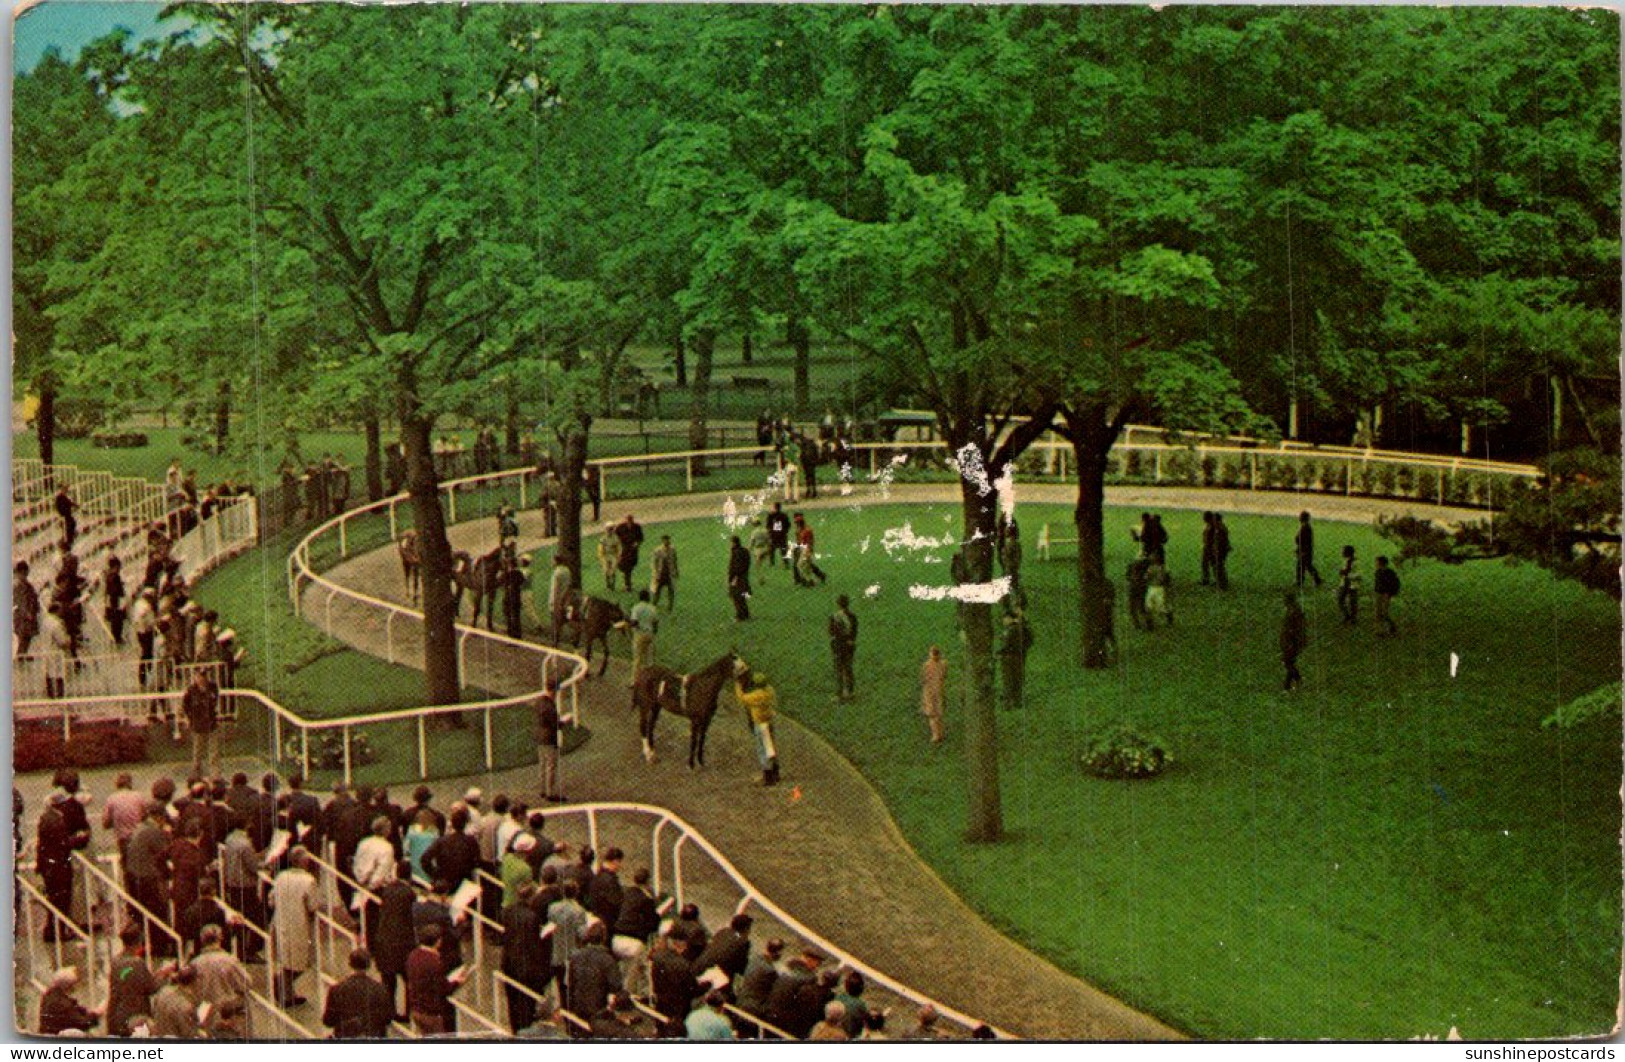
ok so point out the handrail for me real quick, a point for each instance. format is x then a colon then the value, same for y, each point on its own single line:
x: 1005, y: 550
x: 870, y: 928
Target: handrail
x: 688, y: 833
x: 760, y: 1023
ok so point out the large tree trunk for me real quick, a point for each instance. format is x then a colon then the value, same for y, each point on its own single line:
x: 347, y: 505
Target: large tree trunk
x: 222, y: 417
x: 372, y: 431
x: 705, y: 343
x: 569, y: 501
x: 985, y: 821
x: 745, y: 349
x: 679, y: 358
x: 45, y: 421
x: 1092, y: 431
x: 439, y: 619
x: 801, y: 342
x: 510, y: 422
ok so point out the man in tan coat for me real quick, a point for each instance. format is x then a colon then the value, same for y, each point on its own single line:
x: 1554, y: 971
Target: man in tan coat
x: 933, y: 685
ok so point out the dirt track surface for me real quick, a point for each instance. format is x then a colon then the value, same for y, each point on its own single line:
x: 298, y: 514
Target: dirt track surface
x: 822, y: 844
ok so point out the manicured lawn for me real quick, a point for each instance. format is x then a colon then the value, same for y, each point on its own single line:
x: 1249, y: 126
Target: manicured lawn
x: 1388, y: 852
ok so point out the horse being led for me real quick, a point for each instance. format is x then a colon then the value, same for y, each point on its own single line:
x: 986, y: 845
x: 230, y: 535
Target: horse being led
x: 657, y: 689
x: 482, y: 577
x: 592, y: 618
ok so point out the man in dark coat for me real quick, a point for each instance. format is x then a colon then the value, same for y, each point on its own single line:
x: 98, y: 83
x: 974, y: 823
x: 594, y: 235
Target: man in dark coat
x: 1294, y: 639
x: 761, y: 973
x: 65, y: 507
x: 130, y: 984
x: 843, y: 646
x: 455, y: 855
x: 526, y: 957
x: 348, y: 822
x: 201, y: 703
x: 25, y: 609
x: 784, y: 1004
x: 671, y: 978
x: 1304, y: 544
x: 58, y: 839
x: 358, y: 1007
x: 739, y: 578
x: 605, y: 892
x: 729, y: 950
x: 593, y: 973
x: 778, y: 534
x: 394, y: 936
x: 630, y: 534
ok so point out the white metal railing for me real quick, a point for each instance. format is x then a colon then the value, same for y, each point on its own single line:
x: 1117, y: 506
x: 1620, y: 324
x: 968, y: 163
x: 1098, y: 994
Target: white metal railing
x: 552, y: 663
x: 684, y: 836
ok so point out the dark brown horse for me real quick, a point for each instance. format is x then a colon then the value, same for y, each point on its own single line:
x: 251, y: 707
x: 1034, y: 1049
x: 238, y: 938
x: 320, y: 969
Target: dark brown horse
x: 481, y: 578
x: 591, y: 619
x: 657, y: 689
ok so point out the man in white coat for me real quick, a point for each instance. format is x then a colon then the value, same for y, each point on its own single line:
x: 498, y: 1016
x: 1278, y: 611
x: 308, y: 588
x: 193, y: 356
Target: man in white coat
x: 293, y: 899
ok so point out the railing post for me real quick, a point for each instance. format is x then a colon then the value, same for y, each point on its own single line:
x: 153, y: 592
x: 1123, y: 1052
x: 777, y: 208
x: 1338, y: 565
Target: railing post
x: 524, y: 495
x: 1159, y: 466
x: 1441, y: 485
x: 347, y: 770
x: 592, y: 829
x: 451, y: 503
x: 489, y: 758
x: 1348, y: 475
x: 304, y: 749
x: 654, y: 854
x: 1252, y: 483
x: 276, y: 738
x: 393, y: 534
x: 462, y: 658
x: 677, y: 869
x: 688, y: 468
x: 423, y: 747
x: 344, y: 538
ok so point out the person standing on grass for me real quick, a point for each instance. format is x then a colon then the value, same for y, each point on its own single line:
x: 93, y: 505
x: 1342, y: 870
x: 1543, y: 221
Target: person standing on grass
x: 1135, y: 579
x: 843, y: 646
x: 739, y: 576
x: 761, y: 546
x: 1348, y: 593
x: 515, y: 581
x: 791, y: 467
x: 1221, y: 551
x: 1305, y: 546
x: 1294, y: 638
x: 806, y: 559
x: 559, y: 586
x: 1210, y: 547
x: 630, y: 534
x: 592, y: 481
x: 609, y: 555
x: 664, y: 572
x: 778, y: 536
x: 933, y: 687
x: 1157, y: 604
x: 1385, y: 584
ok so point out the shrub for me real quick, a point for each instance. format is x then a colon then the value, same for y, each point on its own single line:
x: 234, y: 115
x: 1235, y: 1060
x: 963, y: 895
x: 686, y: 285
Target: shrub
x: 123, y: 440
x: 1120, y: 751
x: 1383, y: 479
x: 1131, y: 464
x: 1180, y: 467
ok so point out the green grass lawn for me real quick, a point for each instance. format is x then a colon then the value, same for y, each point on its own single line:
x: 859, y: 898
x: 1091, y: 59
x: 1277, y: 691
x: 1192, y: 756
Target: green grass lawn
x: 1388, y: 852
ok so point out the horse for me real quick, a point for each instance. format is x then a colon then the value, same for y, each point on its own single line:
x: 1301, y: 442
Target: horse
x: 657, y: 689
x: 481, y: 577
x: 411, y: 563
x: 592, y: 619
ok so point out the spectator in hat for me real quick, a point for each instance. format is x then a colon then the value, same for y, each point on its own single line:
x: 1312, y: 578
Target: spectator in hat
x: 59, y: 1011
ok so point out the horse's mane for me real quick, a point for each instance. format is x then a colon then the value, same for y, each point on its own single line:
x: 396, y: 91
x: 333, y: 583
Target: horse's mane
x: 709, y: 680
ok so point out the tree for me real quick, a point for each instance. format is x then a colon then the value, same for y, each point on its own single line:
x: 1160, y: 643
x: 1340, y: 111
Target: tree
x: 60, y: 119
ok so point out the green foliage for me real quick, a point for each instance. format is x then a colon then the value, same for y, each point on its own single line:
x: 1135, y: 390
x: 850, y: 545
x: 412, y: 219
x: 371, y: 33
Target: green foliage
x: 1121, y: 751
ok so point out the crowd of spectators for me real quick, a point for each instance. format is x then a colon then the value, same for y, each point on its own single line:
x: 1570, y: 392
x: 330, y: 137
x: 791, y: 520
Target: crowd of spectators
x: 588, y: 948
